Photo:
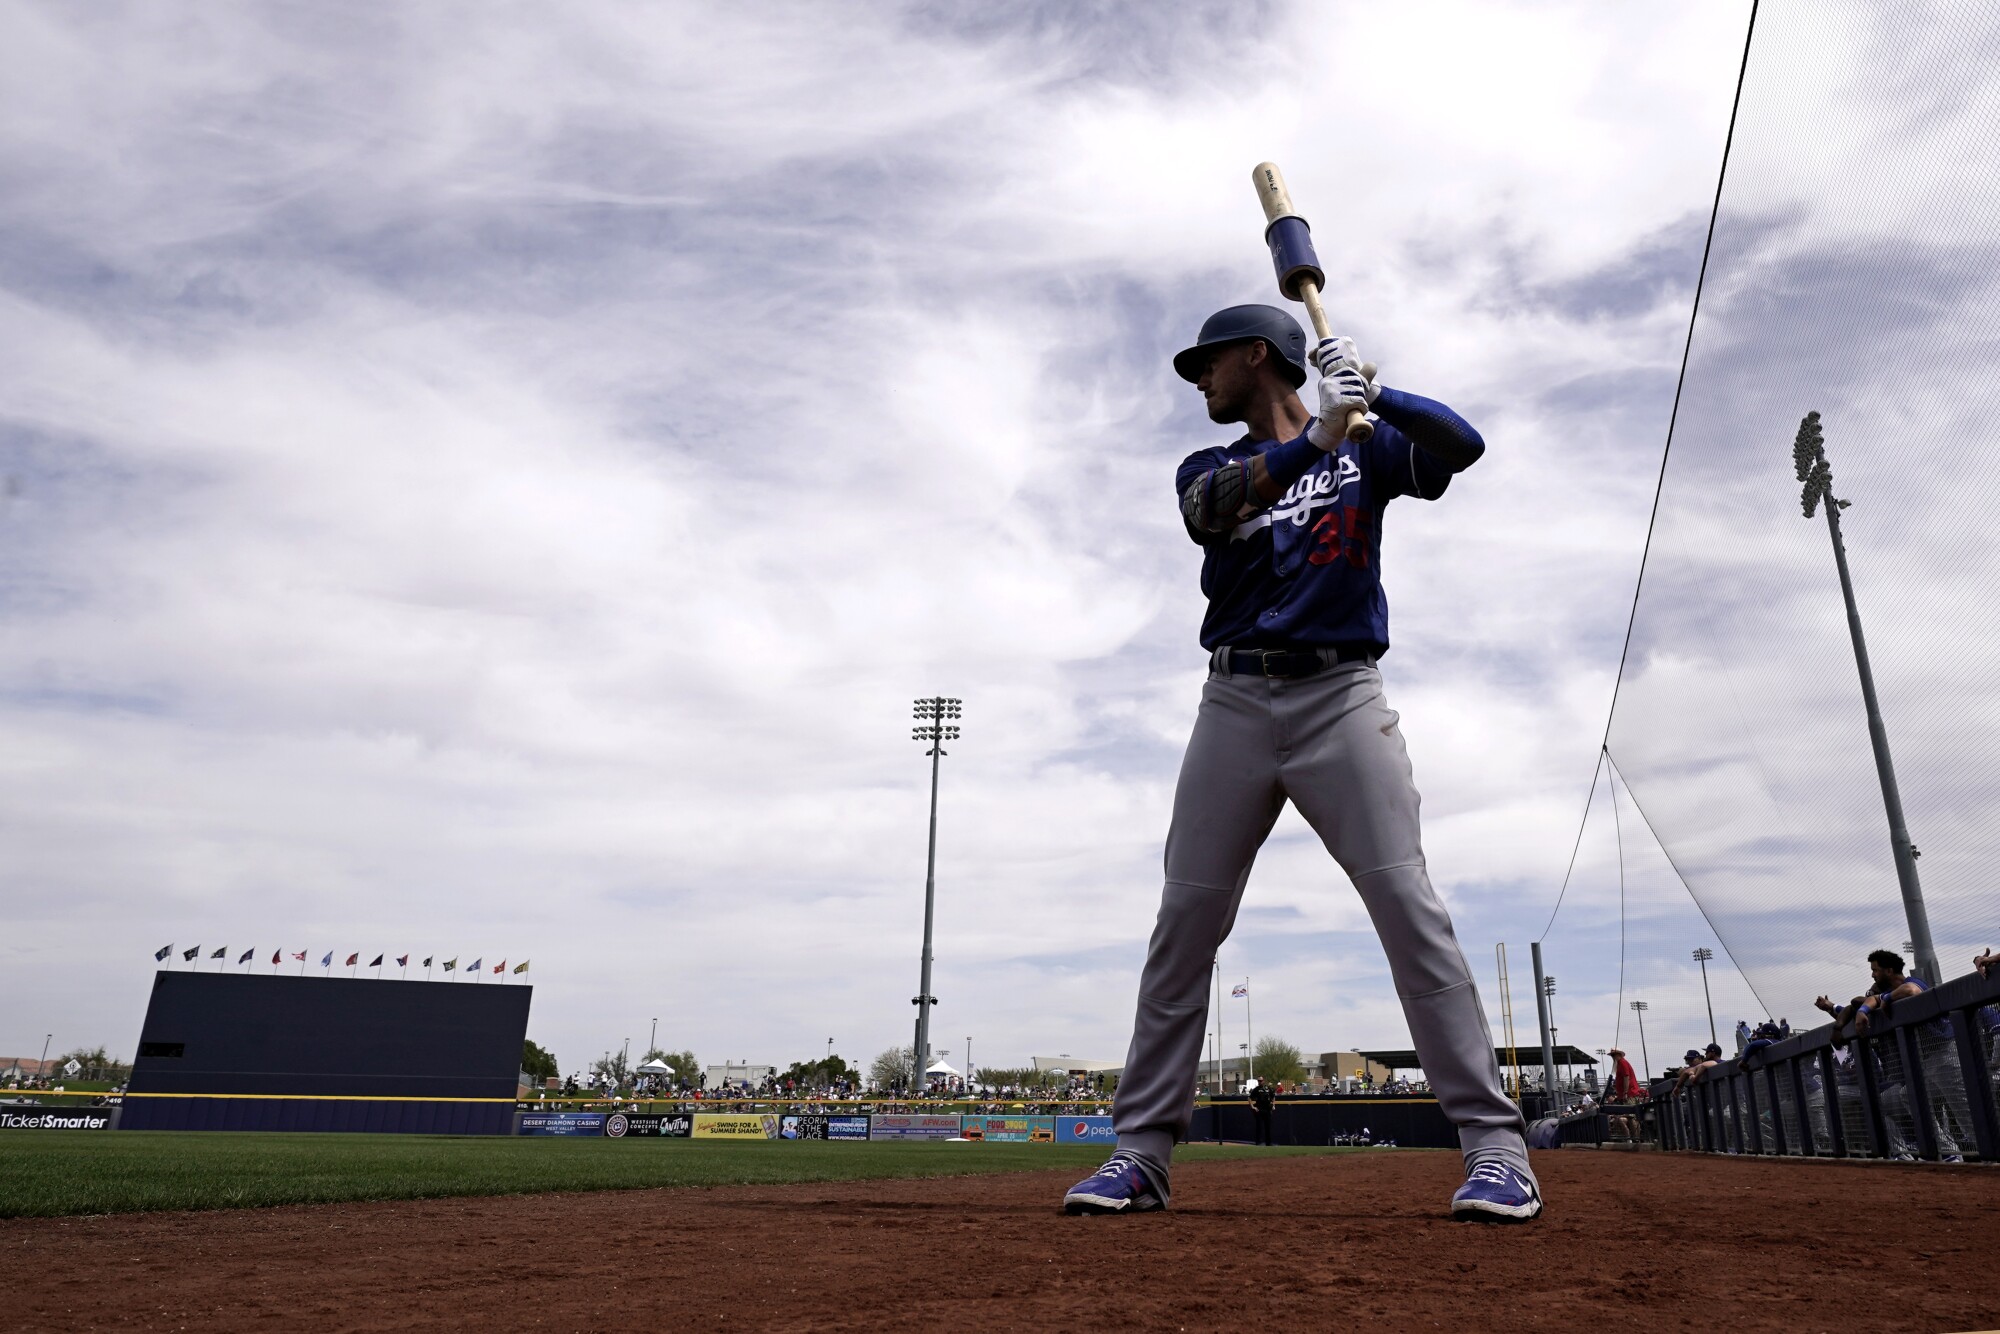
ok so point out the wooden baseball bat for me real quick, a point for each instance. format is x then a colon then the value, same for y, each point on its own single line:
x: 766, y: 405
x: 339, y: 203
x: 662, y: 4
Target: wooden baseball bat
x: 1299, y: 274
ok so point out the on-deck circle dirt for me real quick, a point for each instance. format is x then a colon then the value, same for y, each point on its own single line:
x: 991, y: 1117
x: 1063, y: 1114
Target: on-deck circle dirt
x: 1645, y: 1241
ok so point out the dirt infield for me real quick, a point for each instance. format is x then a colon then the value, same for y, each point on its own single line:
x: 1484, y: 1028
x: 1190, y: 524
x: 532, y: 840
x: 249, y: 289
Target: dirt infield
x: 1647, y: 1241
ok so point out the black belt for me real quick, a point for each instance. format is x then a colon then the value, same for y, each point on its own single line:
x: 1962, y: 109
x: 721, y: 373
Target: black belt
x: 1293, y: 662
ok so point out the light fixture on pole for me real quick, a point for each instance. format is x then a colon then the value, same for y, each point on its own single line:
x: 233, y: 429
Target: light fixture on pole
x: 934, y: 729
x: 1816, y: 478
x: 1702, y: 956
x: 1639, y: 1008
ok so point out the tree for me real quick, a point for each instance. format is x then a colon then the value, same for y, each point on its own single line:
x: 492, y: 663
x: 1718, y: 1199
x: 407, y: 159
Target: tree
x: 539, y: 1062
x: 821, y: 1073
x: 96, y: 1064
x: 687, y: 1070
x: 1278, y: 1062
x: 895, y: 1066
x: 612, y: 1068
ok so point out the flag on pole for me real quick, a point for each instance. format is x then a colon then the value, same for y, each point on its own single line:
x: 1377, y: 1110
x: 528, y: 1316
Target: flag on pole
x: 221, y: 952
x: 277, y: 957
x: 403, y: 961
x: 1241, y: 991
x: 377, y: 963
x: 500, y: 967
x: 160, y: 954
x: 300, y: 956
x: 427, y: 960
x: 247, y: 956
x: 473, y: 967
x: 450, y: 963
x: 189, y: 954
x: 327, y: 962
x: 354, y: 958
x: 521, y: 967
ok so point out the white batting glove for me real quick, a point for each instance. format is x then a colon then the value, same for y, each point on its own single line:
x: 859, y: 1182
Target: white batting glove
x: 1335, y: 355
x: 1343, y: 390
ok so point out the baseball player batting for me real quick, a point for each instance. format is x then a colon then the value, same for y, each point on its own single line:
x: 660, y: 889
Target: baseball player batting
x: 1289, y: 519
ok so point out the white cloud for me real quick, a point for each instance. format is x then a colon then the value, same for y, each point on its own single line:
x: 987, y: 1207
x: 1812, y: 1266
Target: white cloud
x: 495, y: 482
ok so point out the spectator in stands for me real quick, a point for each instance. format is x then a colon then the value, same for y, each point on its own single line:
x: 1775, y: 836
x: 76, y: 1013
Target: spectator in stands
x: 1692, y: 1064
x: 1943, y: 1080
x: 1986, y: 962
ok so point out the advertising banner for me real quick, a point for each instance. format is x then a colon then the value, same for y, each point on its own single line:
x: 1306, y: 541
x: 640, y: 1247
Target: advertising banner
x: 1011, y: 1129
x: 1085, y: 1130
x: 847, y: 1127
x: 719, y: 1125
x: 672, y: 1125
x: 56, y: 1118
x: 925, y: 1125
x: 802, y: 1127
x: 562, y: 1123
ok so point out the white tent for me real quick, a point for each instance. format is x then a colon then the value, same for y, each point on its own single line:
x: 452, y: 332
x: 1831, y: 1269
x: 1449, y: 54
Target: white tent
x: 655, y: 1067
x: 942, y: 1067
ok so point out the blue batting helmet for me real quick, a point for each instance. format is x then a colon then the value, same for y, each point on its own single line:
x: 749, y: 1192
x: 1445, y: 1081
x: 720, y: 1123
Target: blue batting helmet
x: 1240, y: 324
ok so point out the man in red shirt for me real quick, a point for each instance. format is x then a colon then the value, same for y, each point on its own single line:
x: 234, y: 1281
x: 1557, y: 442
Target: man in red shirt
x: 1623, y: 1087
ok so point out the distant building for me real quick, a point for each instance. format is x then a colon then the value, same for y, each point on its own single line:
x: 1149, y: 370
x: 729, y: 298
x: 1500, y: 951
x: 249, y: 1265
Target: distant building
x: 1075, y: 1065
x: 1342, y: 1068
x: 738, y: 1074
x: 19, y: 1069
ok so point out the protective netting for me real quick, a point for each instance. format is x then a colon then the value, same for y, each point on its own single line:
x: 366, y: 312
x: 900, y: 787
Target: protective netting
x: 1854, y: 270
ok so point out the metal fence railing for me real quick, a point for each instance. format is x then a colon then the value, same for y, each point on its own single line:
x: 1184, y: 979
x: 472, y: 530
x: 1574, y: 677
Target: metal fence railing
x: 1922, y: 1081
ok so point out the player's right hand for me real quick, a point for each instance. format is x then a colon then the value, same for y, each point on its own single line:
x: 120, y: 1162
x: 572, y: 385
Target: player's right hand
x: 1336, y: 356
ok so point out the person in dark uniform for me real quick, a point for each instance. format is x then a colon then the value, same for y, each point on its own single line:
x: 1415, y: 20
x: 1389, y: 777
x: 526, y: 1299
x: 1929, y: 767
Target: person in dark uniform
x: 1262, y: 1099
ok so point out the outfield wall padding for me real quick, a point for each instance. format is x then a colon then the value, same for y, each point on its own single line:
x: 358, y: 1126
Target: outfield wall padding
x: 234, y: 1051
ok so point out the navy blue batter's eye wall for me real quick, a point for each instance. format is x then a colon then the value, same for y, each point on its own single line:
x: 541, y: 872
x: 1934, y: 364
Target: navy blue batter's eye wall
x: 234, y: 1051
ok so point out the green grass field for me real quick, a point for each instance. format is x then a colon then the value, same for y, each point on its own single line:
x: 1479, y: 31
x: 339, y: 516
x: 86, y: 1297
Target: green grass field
x: 56, y: 1173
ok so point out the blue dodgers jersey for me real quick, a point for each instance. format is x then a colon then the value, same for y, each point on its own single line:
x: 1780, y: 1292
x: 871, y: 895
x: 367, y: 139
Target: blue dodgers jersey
x: 1308, y: 570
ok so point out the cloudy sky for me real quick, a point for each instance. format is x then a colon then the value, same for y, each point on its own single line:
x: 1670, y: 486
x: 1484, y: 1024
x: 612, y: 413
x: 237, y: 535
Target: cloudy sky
x: 487, y: 481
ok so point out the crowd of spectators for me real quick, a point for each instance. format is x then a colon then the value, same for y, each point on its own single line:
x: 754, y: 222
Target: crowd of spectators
x: 1889, y: 983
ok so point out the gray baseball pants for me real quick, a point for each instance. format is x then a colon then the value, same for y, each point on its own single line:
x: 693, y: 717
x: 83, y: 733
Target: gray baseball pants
x: 1330, y: 743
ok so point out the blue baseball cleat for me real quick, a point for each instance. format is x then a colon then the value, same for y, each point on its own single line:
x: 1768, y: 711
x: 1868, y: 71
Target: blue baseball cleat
x: 1496, y: 1193
x: 1118, y: 1187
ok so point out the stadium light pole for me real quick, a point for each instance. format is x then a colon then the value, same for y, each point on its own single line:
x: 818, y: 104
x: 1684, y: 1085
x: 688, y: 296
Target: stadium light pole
x: 1701, y: 956
x: 933, y: 728
x: 1544, y: 1020
x: 1555, y: 1029
x: 1639, y: 1008
x: 653, y: 1042
x: 1815, y: 475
